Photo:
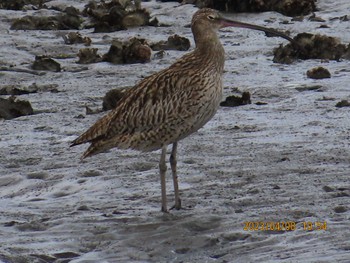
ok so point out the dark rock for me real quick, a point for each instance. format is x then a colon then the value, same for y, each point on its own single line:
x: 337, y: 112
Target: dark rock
x: 76, y: 38
x: 183, y: 250
x: 327, y: 189
x: 261, y: 103
x: 286, y: 7
x: 159, y: 55
x: 234, y: 101
x: 284, y: 159
x: 72, y: 11
x: 136, y: 19
x: 309, y: 46
x: 46, y: 63
x: 344, y: 18
x: 343, y: 103
x: 340, y: 194
x: 88, y: 55
x: 11, y: 223
x: 83, y: 208
x: 340, y: 209
x: 133, y: 51
x: 70, y: 20
x: 234, y: 236
x: 318, y: 73
x: 11, y: 108
x: 68, y: 254
x: 315, y: 18
x: 110, y: 100
x: 137, y: 51
x: 177, y: 42
x: 37, y: 175
x: 115, y: 53
x: 324, y: 26
x: 174, y: 42
x: 294, y: 7
x: 90, y: 111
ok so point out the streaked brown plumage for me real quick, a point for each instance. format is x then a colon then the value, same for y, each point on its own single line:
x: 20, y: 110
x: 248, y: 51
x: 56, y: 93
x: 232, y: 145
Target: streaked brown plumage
x: 171, y: 104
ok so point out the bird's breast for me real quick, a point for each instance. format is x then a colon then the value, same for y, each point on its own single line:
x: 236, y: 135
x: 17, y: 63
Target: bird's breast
x: 203, y: 103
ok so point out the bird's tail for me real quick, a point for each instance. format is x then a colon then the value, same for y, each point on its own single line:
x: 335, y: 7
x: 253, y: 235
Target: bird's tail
x: 92, y: 150
x: 95, y: 132
x: 103, y: 145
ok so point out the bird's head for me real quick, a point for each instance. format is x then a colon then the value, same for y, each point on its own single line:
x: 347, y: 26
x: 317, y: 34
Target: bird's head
x: 210, y: 19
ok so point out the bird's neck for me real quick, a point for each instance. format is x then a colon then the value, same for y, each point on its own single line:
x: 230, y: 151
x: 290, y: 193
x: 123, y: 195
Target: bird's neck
x: 209, y: 48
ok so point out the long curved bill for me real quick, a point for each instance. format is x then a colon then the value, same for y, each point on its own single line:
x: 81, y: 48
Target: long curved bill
x: 225, y: 22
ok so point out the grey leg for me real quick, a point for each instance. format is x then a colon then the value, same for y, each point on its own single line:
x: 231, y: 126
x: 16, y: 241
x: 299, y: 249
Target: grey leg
x: 173, y: 162
x: 162, y: 172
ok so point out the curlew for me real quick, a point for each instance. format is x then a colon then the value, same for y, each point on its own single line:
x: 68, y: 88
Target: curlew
x: 171, y: 104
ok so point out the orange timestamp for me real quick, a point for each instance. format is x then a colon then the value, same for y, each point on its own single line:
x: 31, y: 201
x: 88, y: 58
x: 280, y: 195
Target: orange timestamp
x: 283, y: 226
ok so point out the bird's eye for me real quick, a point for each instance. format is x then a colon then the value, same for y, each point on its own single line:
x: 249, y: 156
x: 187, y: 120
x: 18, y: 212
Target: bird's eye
x: 210, y: 17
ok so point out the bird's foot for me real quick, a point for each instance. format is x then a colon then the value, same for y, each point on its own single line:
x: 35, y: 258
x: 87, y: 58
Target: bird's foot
x: 177, y: 205
x: 164, y: 210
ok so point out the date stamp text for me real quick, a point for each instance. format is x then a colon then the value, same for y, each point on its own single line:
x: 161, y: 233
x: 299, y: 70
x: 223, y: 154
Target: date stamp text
x: 284, y: 226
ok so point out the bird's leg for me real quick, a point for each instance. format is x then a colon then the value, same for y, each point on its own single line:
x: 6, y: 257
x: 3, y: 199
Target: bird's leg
x: 162, y: 172
x: 173, y: 162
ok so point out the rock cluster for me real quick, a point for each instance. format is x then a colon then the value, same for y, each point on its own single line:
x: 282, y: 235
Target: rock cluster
x: 318, y: 73
x: 68, y: 19
x: 117, y: 15
x: 309, y: 46
x: 285, y: 7
x: 133, y: 51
